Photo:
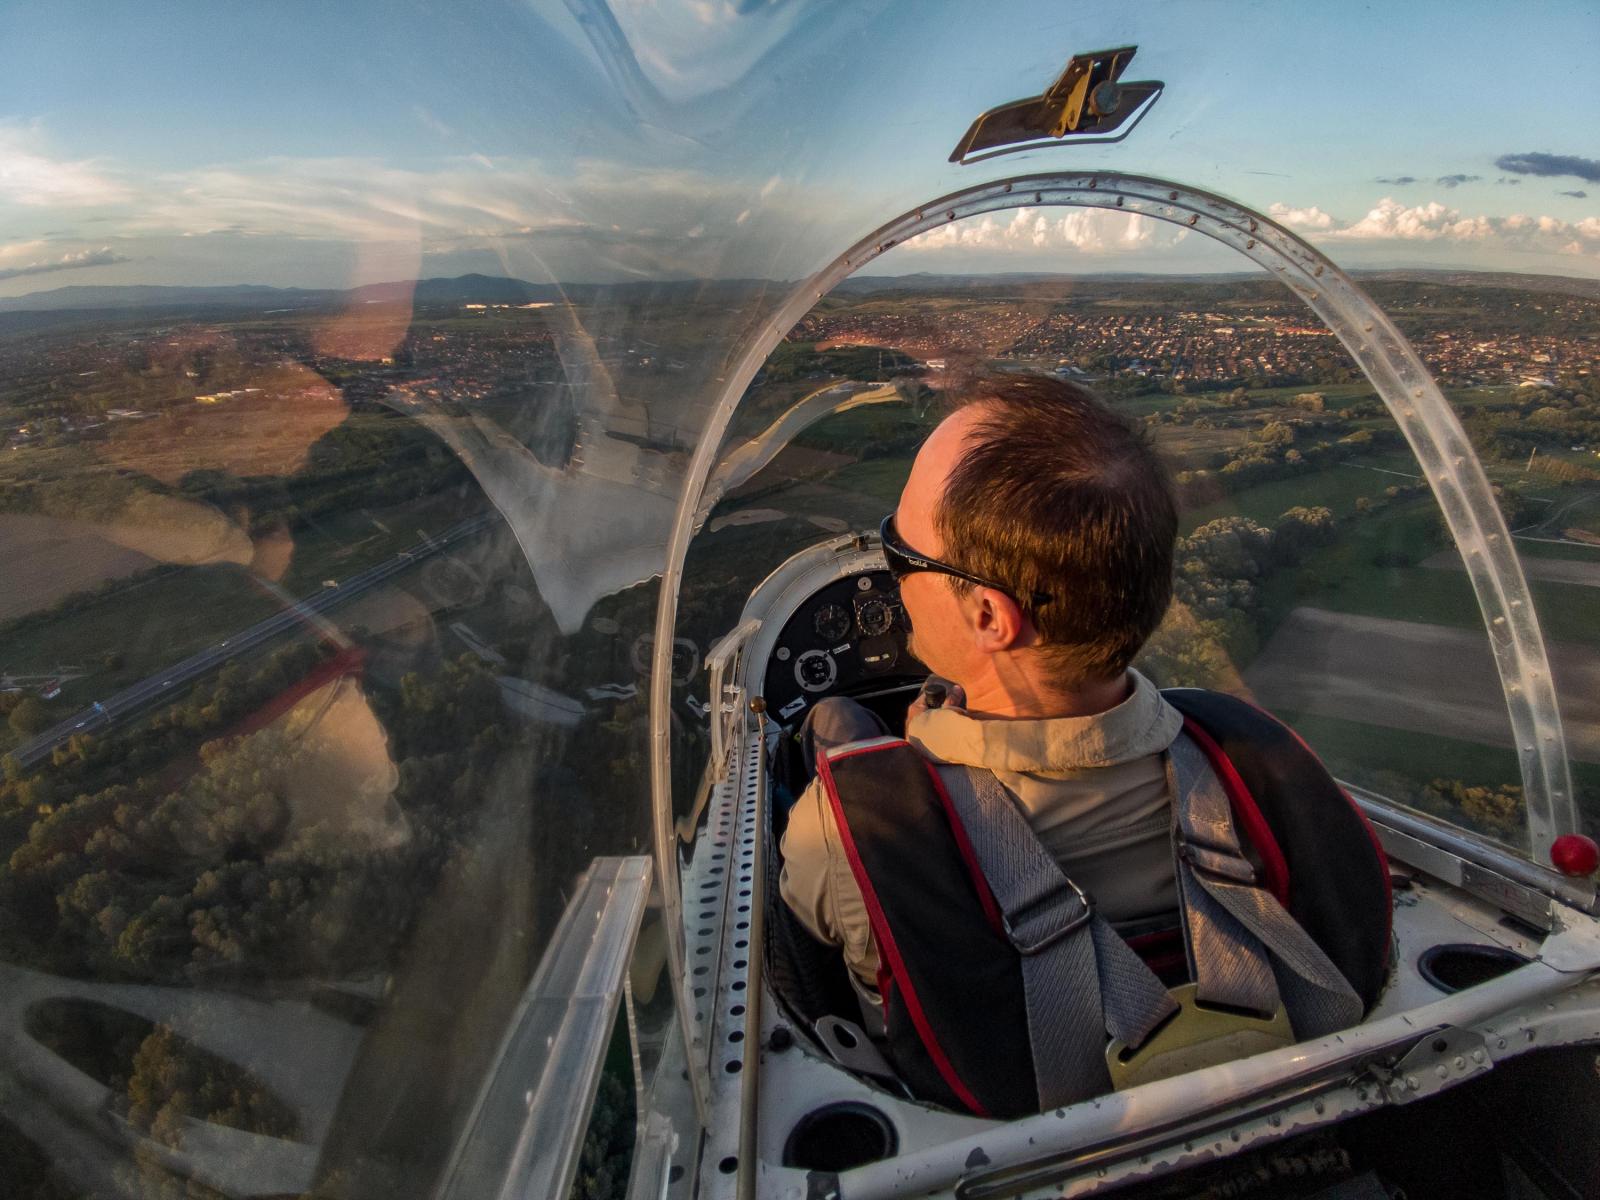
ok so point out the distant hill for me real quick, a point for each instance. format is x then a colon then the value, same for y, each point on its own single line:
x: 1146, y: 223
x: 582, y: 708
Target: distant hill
x: 490, y: 289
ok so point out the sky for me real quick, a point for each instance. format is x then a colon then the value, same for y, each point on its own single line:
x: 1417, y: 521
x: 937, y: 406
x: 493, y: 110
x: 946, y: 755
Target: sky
x: 301, y: 144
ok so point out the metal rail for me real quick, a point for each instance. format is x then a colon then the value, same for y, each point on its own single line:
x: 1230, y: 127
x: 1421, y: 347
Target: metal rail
x: 526, y: 1129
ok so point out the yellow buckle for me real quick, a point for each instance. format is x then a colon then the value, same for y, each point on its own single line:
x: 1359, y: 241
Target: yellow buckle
x: 1195, y: 1037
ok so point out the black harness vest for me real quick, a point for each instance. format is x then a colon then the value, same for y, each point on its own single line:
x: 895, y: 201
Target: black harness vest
x: 951, y: 982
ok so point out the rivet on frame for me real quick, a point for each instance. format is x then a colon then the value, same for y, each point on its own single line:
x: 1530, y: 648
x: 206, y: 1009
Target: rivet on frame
x: 1319, y: 272
x: 1172, y: 195
x: 1252, y: 226
x: 951, y: 215
x: 1250, y: 245
x: 1094, y: 182
x: 1193, y: 217
x: 1038, y: 197
x: 1119, y: 201
x: 1008, y: 187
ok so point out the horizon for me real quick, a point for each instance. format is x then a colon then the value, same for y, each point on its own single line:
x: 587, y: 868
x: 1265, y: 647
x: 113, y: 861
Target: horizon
x: 9, y: 303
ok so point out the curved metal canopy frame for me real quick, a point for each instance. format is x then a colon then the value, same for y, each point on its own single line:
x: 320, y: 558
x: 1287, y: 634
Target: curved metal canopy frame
x: 1387, y: 359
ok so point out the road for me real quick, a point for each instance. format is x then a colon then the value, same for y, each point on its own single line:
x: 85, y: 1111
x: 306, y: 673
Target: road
x: 154, y: 689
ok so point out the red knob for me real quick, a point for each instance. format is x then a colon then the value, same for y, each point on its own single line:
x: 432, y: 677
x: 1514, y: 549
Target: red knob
x: 1574, y: 854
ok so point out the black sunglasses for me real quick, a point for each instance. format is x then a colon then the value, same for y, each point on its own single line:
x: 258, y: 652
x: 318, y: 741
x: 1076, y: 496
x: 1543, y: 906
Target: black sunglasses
x: 902, y: 560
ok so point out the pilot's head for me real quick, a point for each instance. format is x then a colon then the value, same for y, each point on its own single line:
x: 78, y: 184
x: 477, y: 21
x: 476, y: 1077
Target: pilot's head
x: 1064, y: 509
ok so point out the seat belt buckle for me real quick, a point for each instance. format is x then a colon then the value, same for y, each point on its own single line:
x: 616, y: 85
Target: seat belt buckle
x: 1217, y: 860
x: 1019, y: 926
x: 1196, y: 1036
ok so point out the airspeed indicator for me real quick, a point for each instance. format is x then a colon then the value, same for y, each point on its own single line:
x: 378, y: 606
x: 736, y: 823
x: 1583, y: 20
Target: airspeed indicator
x: 832, y: 623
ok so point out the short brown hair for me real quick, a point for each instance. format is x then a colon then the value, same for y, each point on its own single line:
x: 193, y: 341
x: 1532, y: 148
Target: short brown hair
x: 1057, y: 493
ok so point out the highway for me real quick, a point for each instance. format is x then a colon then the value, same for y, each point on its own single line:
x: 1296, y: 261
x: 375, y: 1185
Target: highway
x: 154, y: 689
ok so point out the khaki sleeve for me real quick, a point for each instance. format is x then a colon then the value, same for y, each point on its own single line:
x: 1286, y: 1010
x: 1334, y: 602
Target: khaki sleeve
x: 804, y: 881
x: 819, y: 887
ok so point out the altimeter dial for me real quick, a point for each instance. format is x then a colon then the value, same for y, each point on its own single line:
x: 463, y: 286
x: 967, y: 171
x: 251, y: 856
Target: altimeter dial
x: 832, y: 623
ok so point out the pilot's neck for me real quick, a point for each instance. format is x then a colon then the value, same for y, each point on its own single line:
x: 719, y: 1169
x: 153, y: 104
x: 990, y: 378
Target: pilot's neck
x: 1021, y: 698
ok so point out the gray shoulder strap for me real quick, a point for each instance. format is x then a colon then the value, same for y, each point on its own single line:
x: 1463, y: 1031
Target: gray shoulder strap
x: 1080, y: 980
x: 1245, y: 950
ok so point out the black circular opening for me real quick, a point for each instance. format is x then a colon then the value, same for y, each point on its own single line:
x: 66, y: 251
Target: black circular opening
x: 733, y: 1066
x: 728, y: 1165
x: 1454, y: 966
x: 737, y: 1010
x: 837, y: 1137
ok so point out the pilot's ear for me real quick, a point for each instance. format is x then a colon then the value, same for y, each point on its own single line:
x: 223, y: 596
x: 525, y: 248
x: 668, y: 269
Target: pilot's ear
x: 999, y: 622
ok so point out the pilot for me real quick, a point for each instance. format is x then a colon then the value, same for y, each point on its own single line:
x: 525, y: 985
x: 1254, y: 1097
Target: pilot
x: 1056, y: 846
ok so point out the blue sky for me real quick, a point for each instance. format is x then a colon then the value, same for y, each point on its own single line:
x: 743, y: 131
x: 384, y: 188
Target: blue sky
x: 326, y: 145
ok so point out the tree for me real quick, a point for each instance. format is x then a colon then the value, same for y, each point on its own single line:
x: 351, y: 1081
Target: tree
x: 29, y: 717
x: 1300, y: 530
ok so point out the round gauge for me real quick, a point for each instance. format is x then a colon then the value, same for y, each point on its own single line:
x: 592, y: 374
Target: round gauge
x: 832, y: 622
x: 815, y: 670
x: 875, y: 616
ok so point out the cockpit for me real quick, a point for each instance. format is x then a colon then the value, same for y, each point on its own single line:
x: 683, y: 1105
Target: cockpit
x: 441, y: 477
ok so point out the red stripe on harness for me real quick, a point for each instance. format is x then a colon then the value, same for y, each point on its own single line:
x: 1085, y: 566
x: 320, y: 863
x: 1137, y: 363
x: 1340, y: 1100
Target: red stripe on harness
x: 1377, y: 846
x: 886, y: 943
x: 1257, y: 832
x: 980, y: 884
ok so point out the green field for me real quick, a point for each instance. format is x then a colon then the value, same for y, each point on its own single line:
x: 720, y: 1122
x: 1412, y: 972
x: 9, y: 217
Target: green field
x: 1380, y: 758
x: 1568, y: 551
x: 1344, y: 577
x: 1337, y: 487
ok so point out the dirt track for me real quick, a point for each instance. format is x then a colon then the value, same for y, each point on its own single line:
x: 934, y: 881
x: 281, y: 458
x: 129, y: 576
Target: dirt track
x: 1554, y: 570
x: 1429, y: 678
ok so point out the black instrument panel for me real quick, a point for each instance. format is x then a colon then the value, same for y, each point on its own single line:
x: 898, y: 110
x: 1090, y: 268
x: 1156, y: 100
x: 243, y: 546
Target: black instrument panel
x: 850, y: 633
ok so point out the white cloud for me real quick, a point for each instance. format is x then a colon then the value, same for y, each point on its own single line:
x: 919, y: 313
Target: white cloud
x: 1090, y: 231
x: 1300, y: 218
x: 28, y: 177
x: 1391, y: 220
